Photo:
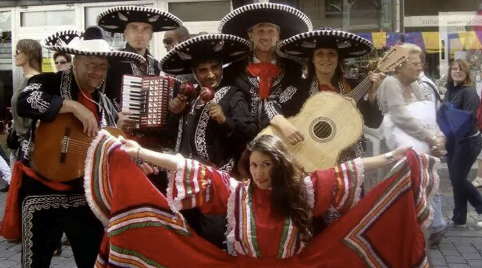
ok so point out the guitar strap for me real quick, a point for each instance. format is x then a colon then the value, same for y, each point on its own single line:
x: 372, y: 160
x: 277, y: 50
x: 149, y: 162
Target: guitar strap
x: 435, y: 91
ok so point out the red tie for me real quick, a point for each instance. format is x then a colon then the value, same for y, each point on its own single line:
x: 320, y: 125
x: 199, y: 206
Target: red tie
x: 266, y: 72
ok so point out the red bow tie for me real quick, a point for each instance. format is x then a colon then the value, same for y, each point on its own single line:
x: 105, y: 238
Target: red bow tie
x: 266, y: 72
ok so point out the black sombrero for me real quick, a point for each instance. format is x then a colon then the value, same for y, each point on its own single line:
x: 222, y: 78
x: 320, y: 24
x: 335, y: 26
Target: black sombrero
x: 347, y: 44
x: 227, y: 47
x: 116, y: 19
x: 290, y: 20
x: 89, y: 43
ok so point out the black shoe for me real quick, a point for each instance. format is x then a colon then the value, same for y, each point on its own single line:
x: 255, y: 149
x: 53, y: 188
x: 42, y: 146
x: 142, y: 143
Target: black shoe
x: 435, y: 238
x: 5, y: 188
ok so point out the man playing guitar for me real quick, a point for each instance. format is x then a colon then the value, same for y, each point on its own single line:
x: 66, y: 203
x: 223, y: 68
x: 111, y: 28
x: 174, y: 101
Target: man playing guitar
x: 51, y: 207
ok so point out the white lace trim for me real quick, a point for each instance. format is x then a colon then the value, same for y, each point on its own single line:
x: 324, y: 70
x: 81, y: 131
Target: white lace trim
x: 176, y: 179
x: 88, y: 176
x: 359, y: 180
x: 230, y: 240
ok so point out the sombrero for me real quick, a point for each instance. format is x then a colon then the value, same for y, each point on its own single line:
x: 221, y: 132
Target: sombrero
x: 290, y: 20
x: 227, y: 47
x: 116, y: 19
x: 347, y: 44
x: 89, y: 43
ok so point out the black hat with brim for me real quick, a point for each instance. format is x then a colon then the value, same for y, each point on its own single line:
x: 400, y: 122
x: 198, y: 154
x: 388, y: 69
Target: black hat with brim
x: 290, y: 20
x: 116, y: 19
x: 89, y: 43
x: 347, y: 44
x: 225, y: 47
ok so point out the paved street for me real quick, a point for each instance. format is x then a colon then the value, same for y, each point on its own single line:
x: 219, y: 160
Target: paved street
x: 460, y: 248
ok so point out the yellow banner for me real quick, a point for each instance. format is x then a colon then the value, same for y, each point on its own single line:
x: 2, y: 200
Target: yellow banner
x: 48, y: 65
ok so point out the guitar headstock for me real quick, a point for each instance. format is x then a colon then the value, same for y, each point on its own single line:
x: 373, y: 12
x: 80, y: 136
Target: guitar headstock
x: 393, y: 58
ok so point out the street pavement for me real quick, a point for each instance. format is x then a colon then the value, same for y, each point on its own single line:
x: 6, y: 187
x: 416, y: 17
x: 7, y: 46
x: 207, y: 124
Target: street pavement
x: 459, y: 249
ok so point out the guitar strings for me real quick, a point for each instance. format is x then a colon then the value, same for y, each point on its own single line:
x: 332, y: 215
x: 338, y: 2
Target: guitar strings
x: 356, y: 94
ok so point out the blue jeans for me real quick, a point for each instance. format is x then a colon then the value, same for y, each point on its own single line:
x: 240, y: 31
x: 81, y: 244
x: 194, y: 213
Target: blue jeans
x: 460, y: 160
x: 438, y: 222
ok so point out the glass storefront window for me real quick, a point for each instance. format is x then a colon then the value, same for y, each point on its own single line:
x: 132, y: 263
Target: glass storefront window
x: 211, y: 11
x: 47, y: 18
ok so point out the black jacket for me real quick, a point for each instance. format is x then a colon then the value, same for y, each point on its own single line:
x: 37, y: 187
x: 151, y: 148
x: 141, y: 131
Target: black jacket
x: 465, y: 98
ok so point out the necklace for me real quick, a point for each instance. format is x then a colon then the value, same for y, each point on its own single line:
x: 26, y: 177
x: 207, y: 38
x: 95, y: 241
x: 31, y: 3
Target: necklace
x: 81, y: 91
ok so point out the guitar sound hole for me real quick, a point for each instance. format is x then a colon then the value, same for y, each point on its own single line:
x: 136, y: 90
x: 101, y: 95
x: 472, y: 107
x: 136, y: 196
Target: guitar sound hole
x: 322, y: 130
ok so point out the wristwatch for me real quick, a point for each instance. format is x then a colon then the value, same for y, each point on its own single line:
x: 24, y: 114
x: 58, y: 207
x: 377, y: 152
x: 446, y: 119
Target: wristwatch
x: 389, y: 157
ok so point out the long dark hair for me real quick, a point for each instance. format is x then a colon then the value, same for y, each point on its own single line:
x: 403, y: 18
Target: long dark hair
x: 33, y: 50
x: 289, y: 197
x: 337, y: 76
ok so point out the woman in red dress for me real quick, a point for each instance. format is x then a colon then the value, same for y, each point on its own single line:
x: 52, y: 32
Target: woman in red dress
x: 269, y: 214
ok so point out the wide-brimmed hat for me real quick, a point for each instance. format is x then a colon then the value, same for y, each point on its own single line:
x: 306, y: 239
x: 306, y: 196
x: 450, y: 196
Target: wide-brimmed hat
x: 116, y: 19
x: 228, y: 48
x: 347, y: 44
x: 290, y: 20
x: 89, y: 43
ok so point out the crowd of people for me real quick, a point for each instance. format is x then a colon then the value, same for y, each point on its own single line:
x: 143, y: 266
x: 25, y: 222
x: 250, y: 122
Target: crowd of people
x: 206, y: 189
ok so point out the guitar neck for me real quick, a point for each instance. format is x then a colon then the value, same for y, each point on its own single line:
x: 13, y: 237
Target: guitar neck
x: 362, y: 88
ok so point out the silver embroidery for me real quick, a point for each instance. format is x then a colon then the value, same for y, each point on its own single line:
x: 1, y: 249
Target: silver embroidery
x: 150, y: 65
x: 254, y: 102
x: 179, y: 134
x: 314, y: 87
x: 200, y: 134
x: 270, y: 110
x: 135, y: 69
x: 42, y: 202
x: 228, y: 166
x: 66, y: 84
x: 32, y: 87
x: 36, y: 102
x: 287, y: 94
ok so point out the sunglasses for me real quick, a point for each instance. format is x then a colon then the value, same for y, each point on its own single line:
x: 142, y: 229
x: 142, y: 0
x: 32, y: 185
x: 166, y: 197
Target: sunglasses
x: 167, y: 41
x: 60, y: 62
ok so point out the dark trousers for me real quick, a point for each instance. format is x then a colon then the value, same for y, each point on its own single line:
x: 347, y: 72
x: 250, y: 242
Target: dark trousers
x: 46, y: 214
x: 460, y: 160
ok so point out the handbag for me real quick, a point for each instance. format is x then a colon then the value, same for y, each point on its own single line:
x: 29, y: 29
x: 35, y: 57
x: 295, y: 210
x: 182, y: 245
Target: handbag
x: 454, y: 123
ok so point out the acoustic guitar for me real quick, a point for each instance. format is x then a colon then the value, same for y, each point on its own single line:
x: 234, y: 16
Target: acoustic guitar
x: 61, y: 148
x: 331, y: 122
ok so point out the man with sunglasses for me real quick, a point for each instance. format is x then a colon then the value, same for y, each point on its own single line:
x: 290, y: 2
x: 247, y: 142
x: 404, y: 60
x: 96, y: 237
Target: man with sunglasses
x: 138, y: 25
x: 174, y: 37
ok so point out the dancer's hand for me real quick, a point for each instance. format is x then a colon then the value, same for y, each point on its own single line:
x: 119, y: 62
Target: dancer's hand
x: 131, y: 147
x: 400, y: 152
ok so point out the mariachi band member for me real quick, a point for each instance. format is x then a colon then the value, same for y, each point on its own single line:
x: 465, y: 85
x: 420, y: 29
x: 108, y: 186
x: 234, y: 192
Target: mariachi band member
x: 215, y: 124
x: 138, y: 25
x: 323, y: 52
x: 51, y: 207
x: 263, y: 74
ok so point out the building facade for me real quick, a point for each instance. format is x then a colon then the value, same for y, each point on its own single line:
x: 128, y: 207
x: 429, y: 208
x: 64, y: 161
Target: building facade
x: 444, y: 29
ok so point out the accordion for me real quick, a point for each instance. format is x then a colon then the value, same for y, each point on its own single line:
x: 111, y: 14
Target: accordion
x: 147, y: 99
